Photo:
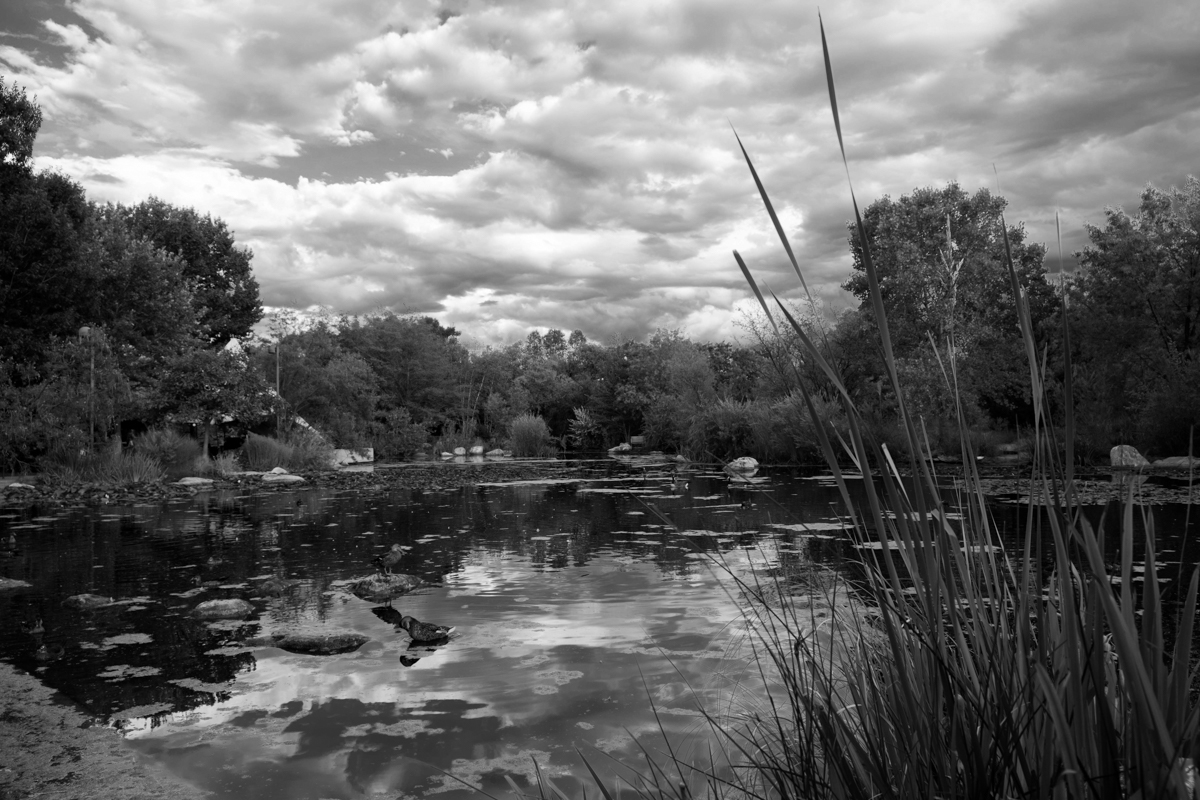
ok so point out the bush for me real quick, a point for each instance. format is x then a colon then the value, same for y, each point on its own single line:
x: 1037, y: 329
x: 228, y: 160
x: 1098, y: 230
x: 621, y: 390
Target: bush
x: 395, y: 436
x: 585, y: 431
x: 299, y: 452
x: 110, y: 465
x: 172, y: 451
x: 530, y: 436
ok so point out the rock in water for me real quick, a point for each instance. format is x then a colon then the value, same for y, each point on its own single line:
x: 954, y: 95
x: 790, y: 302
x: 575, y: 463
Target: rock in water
x: 311, y: 643
x: 86, y: 602
x: 381, y: 588
x: 223, y: 609
x: 743, y: 464
x: 1124, y: 455
x: 7, y: 584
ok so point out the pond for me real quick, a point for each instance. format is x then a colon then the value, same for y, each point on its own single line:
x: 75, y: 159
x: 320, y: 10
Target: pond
x: 588, y: 612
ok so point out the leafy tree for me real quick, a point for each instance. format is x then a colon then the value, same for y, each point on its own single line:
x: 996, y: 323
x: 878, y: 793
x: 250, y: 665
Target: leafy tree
x: 20, y: 119
x: 939, y: 254
x: 202, y: 387
x: 224, y: 289
x: 1136, y: 313
x: 45, y: 287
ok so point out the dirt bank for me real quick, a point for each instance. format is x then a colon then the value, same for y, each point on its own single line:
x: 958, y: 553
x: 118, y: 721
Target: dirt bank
x: 48, y: 748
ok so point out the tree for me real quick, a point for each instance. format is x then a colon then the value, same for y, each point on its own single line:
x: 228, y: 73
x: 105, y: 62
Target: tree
x: 225, y: 292
x: 1136, y: 313
x: 20, y: 119
x: 202, y: 387
x: 939, y: 256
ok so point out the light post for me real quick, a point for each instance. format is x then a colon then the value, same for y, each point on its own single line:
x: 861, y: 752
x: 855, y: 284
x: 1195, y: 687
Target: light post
x: 278, y: 397
x: 90, y: 334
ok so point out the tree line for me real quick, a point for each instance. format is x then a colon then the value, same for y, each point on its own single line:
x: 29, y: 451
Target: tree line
x: 112, y: 313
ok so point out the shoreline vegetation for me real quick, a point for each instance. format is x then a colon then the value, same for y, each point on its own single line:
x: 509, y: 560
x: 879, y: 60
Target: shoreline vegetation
x: 1040, y: 670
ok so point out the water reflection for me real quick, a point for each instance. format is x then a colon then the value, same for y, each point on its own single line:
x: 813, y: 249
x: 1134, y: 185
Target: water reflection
x: 575, y: 603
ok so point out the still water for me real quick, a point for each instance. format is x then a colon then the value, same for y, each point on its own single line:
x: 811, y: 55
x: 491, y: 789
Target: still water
x: 587, y: 612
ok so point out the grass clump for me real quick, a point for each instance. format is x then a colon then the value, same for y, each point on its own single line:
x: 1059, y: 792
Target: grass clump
x: 302, y: 452
x: 109, y: 466
x: 982, y: 670
x: 530, y: 437
x: 174, y: 452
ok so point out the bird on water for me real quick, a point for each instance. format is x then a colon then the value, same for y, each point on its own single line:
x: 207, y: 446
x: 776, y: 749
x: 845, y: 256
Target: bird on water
x: 425, y: 631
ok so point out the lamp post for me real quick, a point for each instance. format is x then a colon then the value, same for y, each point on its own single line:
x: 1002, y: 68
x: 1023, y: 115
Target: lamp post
x: 278, y: 396
x: 90, y: 334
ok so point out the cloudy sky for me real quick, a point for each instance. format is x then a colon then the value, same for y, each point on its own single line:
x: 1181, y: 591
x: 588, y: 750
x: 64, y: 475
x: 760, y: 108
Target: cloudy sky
x: 505, y: 166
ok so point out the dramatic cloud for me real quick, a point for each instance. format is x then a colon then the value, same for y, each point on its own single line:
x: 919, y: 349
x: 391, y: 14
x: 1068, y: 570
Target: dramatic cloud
x: 505, y: 166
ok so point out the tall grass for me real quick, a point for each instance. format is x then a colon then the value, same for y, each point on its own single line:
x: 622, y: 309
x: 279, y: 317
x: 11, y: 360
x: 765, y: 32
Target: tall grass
x: 109, y: 466
x: 176, y: 453
x: 530, y: 436
x: 262, y: 453
x: 1039, y: 672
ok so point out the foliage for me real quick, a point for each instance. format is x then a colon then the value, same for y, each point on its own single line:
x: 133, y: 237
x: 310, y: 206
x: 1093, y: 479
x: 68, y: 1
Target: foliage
x: 20, y: 119
x: 301, y: 452
x: 224, y: 291
x: 201, y: 387
x: 530, y: 436
x: 175, y: 453
x: 585, y: 432
x: 986, y: 673
x: 110, y: 466
x: 1135, y: 314
x: 396, y: 437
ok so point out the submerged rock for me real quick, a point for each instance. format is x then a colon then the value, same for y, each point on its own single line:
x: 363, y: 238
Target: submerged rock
x: 223, y: 609
x: 379, y: 588
x: 275, y: 587
x: 12, y: 583
x: 312, y: 643
x: 86, y: 602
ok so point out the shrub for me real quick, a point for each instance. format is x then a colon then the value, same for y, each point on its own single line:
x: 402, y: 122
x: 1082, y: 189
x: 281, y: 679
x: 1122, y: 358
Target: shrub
x: 530, y: 436
x: 174, y: 452
x: 395, y: 436
x: 584, y: 430
x: 299, y: 452
x: 109, y: 465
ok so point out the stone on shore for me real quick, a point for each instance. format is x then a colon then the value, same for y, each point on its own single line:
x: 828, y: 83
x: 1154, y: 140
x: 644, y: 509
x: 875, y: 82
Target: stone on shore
x: 223, y: 609
x: 196, y: 483
x: 1124, y: 455
x: 281, y: 477
x: 1177, y: 462
x: 623, y: 447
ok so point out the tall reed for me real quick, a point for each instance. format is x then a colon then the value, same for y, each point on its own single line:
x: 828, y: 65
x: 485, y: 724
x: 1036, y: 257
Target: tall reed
x: 984, y: 671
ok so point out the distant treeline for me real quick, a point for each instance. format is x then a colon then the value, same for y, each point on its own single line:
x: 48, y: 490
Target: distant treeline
x: 112, y: 314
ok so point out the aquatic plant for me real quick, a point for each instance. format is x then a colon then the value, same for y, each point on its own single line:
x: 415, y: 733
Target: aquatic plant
x: 958, y: 668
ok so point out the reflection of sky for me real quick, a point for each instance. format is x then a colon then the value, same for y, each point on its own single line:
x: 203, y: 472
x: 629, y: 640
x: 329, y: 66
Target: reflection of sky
x: 543, y: 661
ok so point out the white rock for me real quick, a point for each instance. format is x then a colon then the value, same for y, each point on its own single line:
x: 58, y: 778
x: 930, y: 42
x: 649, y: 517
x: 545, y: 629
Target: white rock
x: 1124, y: 455
x: 281, y: 478
x: 743, y: 464
x: 460, y: 451
x: 279, y: 471
x: 197, y: 482
x: 477, y: 450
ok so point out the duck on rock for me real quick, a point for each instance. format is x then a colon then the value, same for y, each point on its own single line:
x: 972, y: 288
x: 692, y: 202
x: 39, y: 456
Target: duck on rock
x: 425, y: 631
x: 389, y: 559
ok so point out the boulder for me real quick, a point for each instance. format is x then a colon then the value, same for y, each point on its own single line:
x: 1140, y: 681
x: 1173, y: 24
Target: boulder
x: 8, y: 584
x: 477, y: 450
x: 281, y: 477
x: 497, y: 453
x: 86, y: 602
x: 18, y: 486
x: 460, y: 451
x: 1177, y: 462
x: 223, y: 609
x: 380, y: 588
x: 196, y: 483
x: 447, y: 455
x: 275, y: 587
x: 343, y: 457
x: 623, y: 447
x: 1124, y: 455
x: 313, y: 643
x: 278, y: 471
x: 743, y: 464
